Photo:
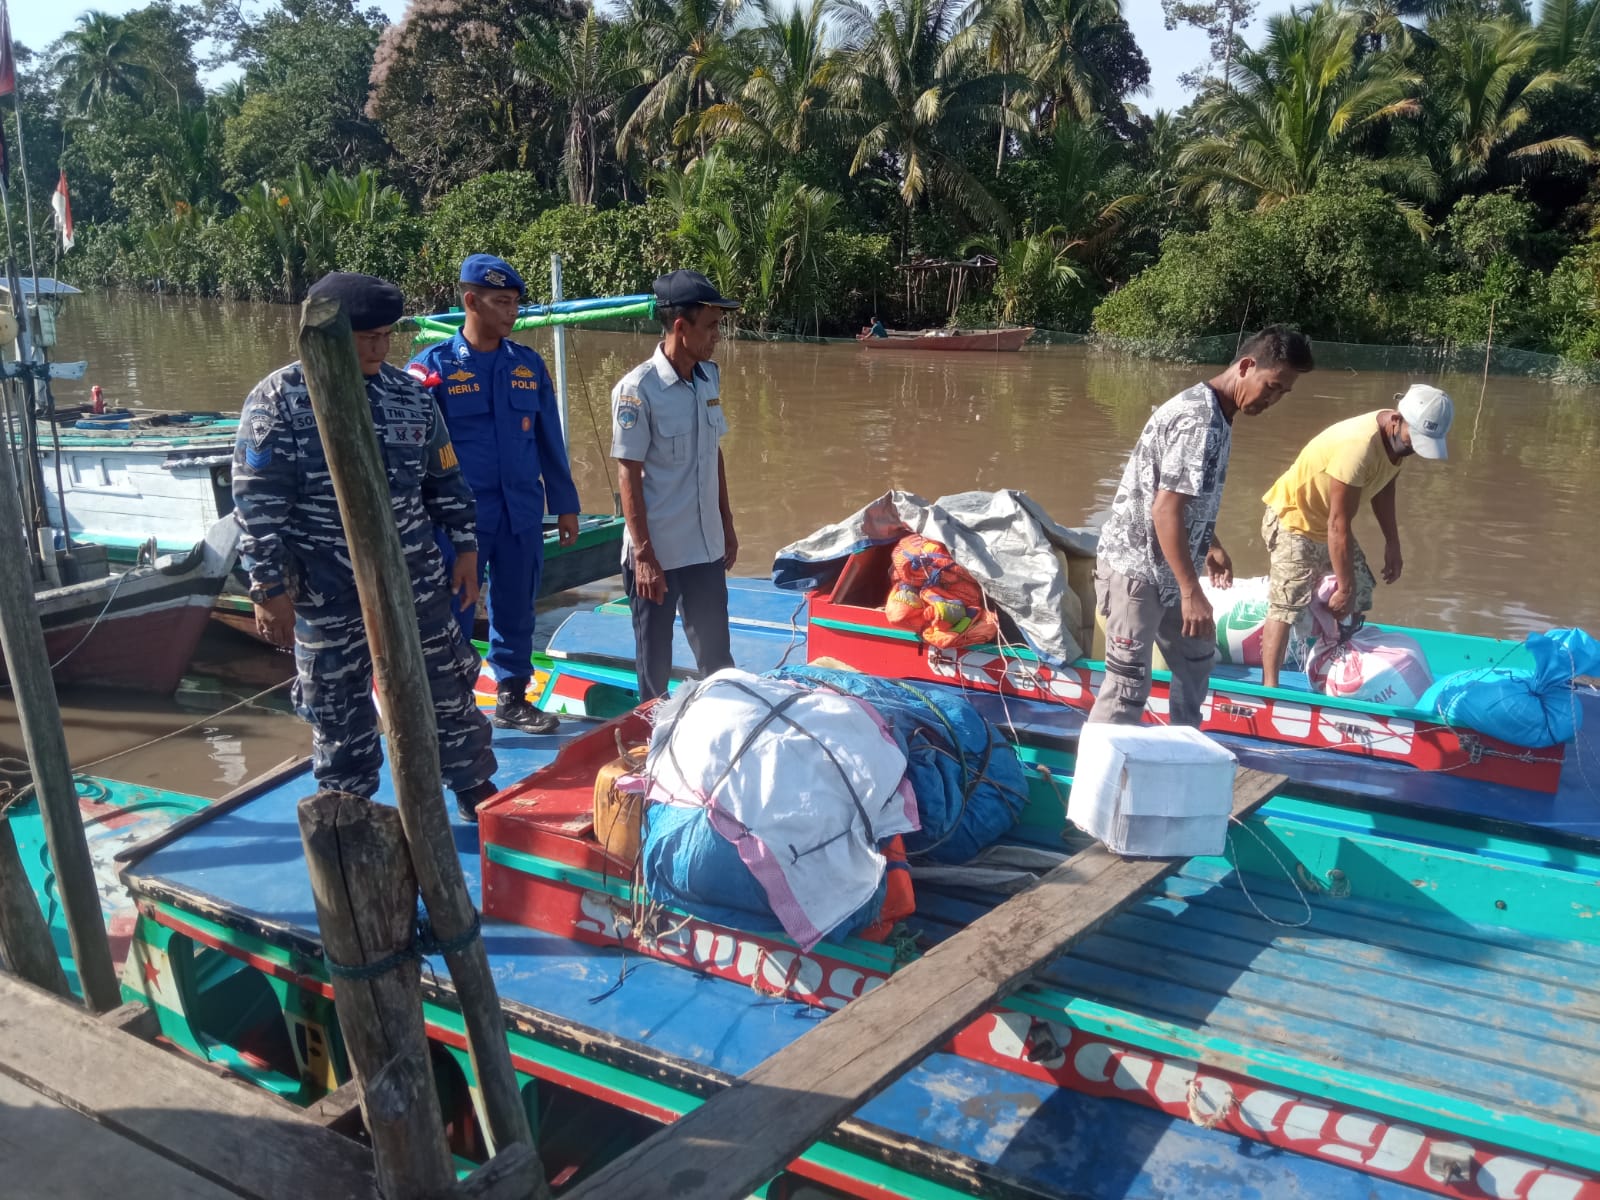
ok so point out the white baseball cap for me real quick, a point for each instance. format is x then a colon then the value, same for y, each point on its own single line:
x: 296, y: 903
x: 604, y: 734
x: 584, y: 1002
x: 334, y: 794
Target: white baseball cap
x: 1428, y: 412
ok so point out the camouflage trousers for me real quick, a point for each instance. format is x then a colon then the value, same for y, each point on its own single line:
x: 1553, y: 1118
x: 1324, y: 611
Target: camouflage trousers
x: 333, y: 692
x: 1298, y: 565
x: 1136, y: 623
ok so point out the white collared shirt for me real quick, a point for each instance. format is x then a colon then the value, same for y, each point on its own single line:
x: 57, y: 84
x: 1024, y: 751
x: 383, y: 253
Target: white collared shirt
x: 674, y: 426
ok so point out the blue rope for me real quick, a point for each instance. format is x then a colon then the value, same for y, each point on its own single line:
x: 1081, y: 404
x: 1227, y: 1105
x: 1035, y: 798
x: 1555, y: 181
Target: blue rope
x: 424, y: 944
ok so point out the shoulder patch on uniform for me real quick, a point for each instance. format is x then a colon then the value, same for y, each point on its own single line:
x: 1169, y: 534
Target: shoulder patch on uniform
x: 447, y: 457
x: 260, y: 422
x: 459, y: 376
x: 522, y: 372
x: 258, y: 457
x: 628, y: 415
x: 627, y: 401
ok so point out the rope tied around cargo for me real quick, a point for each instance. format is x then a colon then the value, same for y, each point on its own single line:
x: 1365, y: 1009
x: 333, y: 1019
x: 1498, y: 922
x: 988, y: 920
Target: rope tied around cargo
x: 424, y: 944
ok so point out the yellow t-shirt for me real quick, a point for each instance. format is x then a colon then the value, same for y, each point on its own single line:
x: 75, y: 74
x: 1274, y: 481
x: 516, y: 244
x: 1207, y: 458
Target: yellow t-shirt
x: 1353, y: 453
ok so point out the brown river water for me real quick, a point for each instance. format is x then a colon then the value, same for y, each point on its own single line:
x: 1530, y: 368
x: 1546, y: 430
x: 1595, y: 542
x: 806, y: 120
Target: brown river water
x: 1497, y: 540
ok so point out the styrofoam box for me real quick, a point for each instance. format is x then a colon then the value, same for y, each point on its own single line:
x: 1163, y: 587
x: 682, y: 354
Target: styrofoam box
x: 1156, y: 791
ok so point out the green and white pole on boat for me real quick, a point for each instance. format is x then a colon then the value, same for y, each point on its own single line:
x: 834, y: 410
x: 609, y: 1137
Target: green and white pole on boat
x: 560, y: 333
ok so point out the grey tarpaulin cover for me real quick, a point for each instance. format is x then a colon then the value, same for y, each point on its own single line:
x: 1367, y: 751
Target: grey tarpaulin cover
x: 1004, y: 539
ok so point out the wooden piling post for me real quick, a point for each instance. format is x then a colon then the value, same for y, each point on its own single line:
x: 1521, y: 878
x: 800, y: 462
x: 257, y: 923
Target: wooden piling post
x: 355, y: 462
x: 366, y: 894
x: 24, y: 934
x: 46, y: 746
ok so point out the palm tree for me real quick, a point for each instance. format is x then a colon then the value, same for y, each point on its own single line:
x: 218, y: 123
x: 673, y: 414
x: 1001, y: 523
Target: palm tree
x: 1062, y: 59
x: 777, y: 87
x: 101, y: 58
x: 586, y: 67
x: 678, y: 44
x: 1298, y: 104
x: 1488, y: 84
x: 920, y: 98
x: 1569, y: 34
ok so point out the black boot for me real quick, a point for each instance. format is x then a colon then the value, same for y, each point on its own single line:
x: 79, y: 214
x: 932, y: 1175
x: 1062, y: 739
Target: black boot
x: 467, y: 802
x: 512, y: 710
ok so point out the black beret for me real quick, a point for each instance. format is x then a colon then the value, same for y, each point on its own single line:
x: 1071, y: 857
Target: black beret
x: 368, y: 301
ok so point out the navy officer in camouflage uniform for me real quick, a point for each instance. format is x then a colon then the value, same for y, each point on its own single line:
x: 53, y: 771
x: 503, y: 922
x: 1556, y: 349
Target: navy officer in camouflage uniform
x: 500, y: 406
x: 301, y: 580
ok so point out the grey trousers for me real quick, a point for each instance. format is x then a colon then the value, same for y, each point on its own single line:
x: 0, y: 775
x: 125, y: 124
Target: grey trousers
x: 701, y: 591
x: 1136, y: 623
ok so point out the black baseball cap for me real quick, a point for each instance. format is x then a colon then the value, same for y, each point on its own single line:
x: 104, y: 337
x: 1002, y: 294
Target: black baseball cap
x: 678, y: 289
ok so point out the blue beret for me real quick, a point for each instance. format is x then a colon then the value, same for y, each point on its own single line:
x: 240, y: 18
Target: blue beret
x: 369, y: 302
x: 486, y: 270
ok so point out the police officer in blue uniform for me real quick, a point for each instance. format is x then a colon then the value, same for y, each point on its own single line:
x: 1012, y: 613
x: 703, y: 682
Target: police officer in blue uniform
x: 301, y: 581
x: 500, y: 406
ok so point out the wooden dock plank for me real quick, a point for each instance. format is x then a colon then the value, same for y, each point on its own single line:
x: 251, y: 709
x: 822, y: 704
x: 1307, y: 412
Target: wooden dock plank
x: 238, y: 1137
x: 50, y: 1152
x: 744, y: 1135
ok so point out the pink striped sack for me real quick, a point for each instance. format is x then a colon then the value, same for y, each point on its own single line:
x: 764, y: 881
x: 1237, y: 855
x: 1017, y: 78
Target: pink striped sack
x: 1377, y: 666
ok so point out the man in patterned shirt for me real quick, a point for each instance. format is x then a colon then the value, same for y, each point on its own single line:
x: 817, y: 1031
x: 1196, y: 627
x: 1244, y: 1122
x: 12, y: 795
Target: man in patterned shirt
x: 1161, y: 532
x: 301, y: 580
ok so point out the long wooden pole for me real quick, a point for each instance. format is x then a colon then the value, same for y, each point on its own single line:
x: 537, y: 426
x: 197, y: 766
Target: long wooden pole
x: 46, y: 746
x: 366, y: 897
x: 344, y: 420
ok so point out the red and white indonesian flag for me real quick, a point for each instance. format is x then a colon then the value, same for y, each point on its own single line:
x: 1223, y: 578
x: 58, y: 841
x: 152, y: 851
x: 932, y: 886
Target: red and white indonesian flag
x: 62, y: 207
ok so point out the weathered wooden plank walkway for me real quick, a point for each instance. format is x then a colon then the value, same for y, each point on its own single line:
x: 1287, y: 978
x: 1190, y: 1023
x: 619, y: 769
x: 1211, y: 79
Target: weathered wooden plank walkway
x: 91, y: 1093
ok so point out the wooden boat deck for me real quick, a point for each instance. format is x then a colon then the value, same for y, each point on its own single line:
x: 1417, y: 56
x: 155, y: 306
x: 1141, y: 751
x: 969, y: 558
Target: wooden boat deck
x: 656, y: 1037
x: 1440, y: 1009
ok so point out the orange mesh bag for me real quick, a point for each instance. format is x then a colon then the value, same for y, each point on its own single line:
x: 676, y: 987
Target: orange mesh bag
x: 956, y: 613
x: 919, y: 561
x: 905, y: 607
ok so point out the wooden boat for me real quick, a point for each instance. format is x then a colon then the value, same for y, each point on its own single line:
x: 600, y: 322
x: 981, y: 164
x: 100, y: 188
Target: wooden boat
x: 137, y: 629
x: 949, y: 339
x: 1431, y: 1031
x: 845, y: 621
x: 131, y: 476
x: 597, y: 554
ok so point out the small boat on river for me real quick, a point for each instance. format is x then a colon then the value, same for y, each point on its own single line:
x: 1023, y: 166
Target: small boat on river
x: 949, y: 339
x: 136, y: 629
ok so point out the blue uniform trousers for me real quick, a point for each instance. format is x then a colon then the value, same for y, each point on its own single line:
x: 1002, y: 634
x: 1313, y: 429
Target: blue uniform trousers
x: 333, y: 692
x: 511, y: 563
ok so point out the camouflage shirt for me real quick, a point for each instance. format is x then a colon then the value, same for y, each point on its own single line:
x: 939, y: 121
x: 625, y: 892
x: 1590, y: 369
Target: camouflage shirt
x: 1184, y: 449
x: 283, y: 492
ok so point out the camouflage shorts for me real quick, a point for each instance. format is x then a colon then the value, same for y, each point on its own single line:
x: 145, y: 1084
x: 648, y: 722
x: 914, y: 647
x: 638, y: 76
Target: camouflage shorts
x: 1298, y: 565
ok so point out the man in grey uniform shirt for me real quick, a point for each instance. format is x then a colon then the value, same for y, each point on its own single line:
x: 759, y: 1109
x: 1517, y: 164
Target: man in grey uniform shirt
x: 667, y: 424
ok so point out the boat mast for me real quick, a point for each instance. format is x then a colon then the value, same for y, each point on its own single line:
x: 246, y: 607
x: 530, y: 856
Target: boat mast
x: 30, y: 350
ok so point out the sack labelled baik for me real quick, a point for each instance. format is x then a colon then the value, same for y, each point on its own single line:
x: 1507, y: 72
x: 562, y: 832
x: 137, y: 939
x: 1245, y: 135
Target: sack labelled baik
x: 1154, y: 791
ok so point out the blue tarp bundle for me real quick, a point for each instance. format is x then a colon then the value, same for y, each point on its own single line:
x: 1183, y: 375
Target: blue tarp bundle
x: 1526, y: 708
x: 967, y: 778
x: 690, y: 866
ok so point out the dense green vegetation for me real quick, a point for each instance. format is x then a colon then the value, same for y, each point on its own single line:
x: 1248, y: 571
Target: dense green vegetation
x: 1376, y: 170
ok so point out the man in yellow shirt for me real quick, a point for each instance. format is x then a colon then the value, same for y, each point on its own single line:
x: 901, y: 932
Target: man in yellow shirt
x: 1310, y: 508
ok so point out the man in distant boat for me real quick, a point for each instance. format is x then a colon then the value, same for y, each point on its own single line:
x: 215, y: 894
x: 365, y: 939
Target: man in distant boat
x: 876, y: 329
x: 667, y: 426
x: 301, y: 580
x: 1310, y: 508
x: 500, y: 407
x: 1162, y: 531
